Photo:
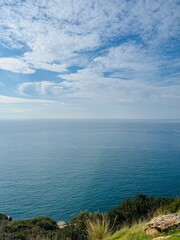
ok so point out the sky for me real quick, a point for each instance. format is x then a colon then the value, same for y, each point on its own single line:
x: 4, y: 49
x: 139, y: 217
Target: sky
x: 90, y: 59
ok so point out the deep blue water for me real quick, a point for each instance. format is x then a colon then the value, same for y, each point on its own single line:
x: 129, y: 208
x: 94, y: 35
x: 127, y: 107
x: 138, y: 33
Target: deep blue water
x: 57, y: 168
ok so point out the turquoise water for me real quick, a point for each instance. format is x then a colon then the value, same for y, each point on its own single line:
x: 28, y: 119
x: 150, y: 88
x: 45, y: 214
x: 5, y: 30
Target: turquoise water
x: 57, y: 168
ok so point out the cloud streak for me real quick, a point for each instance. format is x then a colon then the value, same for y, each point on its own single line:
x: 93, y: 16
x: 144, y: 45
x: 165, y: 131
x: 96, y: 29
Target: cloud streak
x: 6, y: 99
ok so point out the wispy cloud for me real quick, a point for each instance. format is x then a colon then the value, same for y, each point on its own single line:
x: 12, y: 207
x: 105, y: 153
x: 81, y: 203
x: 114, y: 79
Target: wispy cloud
x: 45, y: 88
x: 6, y: 99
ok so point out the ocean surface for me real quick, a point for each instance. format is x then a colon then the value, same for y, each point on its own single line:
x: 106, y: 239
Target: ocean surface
x: 57, y: 168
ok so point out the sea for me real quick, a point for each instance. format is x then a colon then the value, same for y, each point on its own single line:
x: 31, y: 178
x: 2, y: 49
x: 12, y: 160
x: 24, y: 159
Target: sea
x: 57, y: 168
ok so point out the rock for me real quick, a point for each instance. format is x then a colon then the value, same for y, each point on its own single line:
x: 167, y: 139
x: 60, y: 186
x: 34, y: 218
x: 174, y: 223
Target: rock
x: 4, y: 217
x: 61, y: 225
x: 151, y: 231
x: 164, y: 222
x: 9, y: 218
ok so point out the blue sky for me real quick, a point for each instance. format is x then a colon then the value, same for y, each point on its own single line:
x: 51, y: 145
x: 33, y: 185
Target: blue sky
x: 89, y: 59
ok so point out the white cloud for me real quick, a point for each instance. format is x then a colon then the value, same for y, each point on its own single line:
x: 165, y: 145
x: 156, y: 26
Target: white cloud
x: 52, y: 31
x: 117, y: 45
x: 129, y: 61
x: 7, y: 99
x: 45, y: 89
x: 15, y: 65
x: 88, y: 86
x: 125, y: 73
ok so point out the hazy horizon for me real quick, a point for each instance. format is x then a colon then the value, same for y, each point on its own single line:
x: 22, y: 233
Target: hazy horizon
x: 115, y: 119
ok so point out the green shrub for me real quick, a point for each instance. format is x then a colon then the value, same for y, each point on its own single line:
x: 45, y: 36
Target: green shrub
x: 77, y: 227
x: 172, y: 207
x: 138, y: 209
x: 21, y: 229
x: 45, y: 223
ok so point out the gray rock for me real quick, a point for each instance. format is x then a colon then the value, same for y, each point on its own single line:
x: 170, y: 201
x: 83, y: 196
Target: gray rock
x: 165, y: 221
x: 61, y: 225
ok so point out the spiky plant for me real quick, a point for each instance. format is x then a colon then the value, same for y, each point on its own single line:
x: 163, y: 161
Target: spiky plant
x: 98, y: 228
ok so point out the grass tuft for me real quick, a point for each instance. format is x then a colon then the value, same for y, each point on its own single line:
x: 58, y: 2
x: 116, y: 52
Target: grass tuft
x: 98, y: 228
x: 173, y: 207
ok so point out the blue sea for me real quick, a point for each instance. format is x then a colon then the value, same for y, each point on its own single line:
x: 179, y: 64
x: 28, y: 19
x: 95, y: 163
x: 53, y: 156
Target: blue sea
x: 57, y: 168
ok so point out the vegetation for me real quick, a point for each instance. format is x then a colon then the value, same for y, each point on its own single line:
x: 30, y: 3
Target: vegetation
x: 140, y: 208
x: 173, y: 207
x: 23, y: 228
x: 98, y: 228
x: 137, y: 232
x: 93, y: 226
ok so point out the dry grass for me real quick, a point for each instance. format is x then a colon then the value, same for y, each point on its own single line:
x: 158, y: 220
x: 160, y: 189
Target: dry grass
x: 99, y: 228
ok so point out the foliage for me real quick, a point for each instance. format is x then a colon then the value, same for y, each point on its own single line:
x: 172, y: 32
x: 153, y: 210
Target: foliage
x: 138, y: 209
x: 45, y: 223
x: 137, y: 232
x: 22, y: 228
x: 3, y: 216
x: 172, y: 207
x: 130, y: 211
x: 77, y: 227
x: 98, y: 228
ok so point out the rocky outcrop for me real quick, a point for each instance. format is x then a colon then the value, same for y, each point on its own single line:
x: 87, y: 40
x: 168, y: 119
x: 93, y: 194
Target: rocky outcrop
x: 151, y: 231
x: 162, y: 223
x: 4, y: 217
x: 165, y: 221
x: 61, y: 225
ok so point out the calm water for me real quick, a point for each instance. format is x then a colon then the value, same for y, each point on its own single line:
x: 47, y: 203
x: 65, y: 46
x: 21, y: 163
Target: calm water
x: 57, y: 168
